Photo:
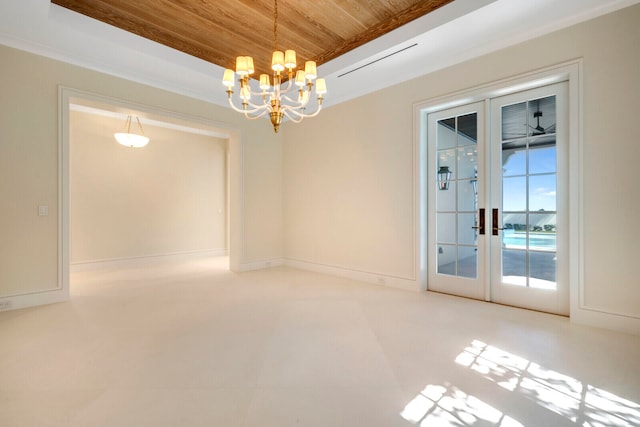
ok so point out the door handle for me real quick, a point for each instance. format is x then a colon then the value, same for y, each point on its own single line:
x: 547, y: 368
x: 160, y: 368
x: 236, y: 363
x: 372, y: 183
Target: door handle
x: 480, y: 226
x: 494, y: 222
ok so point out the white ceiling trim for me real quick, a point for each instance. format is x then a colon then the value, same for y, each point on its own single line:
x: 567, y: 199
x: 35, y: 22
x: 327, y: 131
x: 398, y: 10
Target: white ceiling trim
x: 148, y: 121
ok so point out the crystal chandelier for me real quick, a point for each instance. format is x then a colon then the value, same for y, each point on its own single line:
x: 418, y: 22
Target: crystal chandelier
x: 278, y: 100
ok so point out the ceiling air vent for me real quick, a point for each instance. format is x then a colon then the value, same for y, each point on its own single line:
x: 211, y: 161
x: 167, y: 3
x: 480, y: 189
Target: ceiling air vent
x: 379, y: 59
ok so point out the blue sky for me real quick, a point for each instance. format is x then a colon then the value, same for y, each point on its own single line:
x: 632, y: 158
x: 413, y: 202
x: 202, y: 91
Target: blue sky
x: 542, y: 184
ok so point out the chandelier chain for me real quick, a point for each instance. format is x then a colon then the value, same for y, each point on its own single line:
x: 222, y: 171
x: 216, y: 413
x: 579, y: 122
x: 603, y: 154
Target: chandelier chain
x: 275, y: 25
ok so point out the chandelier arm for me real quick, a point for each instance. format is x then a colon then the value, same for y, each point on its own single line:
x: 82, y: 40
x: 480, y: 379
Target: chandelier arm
x: 294, y: 119
x: 292, y: 101
x: 288, y: 86
x: 291, y: 105
x: 256, y: 113
x: 265, y: 106
x: 236, y: 109
x: 315, y: 113
x: 297, y: 104
x: 253, y: 93
x: 300, y: 114
x: 243, y: 111
x: 255, y: 117
x: 261, y: 93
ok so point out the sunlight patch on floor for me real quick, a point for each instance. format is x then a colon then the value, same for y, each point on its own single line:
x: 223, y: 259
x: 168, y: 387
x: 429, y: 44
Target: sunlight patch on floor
x: 447, y: 405
x: 581, y: 403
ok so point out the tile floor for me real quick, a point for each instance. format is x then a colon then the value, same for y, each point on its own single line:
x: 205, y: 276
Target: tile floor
x: 186, y: 343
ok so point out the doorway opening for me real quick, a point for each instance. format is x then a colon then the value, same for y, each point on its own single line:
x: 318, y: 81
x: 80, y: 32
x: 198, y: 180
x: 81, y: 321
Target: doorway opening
x: 220, y: 142
x: 165, y: 199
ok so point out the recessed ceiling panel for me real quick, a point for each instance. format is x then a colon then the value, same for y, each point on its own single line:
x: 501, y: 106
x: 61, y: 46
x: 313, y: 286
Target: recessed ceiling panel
x: 219, y: 30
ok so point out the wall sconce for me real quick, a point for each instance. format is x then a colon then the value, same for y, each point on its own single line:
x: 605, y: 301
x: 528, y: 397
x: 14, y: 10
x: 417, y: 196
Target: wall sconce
x: 444, y: 175
x: 129, y: 139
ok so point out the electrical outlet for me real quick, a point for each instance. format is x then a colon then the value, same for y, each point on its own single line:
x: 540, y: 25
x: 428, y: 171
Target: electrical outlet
x: 5, y: 305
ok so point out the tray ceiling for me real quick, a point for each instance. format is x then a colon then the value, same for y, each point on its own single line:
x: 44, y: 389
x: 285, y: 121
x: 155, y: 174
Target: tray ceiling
x: 219, y: 30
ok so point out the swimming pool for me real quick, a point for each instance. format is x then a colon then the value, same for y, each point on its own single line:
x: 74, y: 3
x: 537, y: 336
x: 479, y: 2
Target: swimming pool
x: 518, y: 240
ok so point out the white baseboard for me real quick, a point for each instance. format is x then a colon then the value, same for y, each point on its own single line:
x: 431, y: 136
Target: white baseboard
x: 16, y: 302
x: 259, y: 265
x: 131, y: 261
x: 601, y: 319
x: 363, y: 276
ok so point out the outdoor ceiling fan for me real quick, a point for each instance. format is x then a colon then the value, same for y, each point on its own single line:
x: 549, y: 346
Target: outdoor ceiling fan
x: 539, y: 130
x: 517, y: 119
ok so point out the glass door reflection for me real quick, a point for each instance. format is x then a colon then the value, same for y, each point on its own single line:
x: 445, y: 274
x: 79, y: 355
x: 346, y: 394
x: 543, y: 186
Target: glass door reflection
x: 529, y: 193
x: 457, y: 198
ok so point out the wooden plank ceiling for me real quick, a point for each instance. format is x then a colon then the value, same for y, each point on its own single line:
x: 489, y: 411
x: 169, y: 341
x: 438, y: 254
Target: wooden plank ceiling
x: 219, y: 30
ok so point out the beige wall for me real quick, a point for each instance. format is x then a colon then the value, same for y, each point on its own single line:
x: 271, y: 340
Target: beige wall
x: 348, y: 173
x: 29, y: 164
x: 168, y: 197
x: 348, y: 187
x: 348, y: 199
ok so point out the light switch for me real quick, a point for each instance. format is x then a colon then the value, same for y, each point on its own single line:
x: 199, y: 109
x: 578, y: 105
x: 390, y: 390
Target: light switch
x: 43, y: 210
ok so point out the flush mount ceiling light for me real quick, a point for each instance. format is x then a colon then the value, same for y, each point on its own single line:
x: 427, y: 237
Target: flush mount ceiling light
x: 129, y: 139
x: 275, y: 99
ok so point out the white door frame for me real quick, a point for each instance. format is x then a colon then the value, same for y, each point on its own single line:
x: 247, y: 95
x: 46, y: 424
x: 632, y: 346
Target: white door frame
x: 60, y: 291
x: 234, y: 169
x: 570, y: 72
x: 234, y: 179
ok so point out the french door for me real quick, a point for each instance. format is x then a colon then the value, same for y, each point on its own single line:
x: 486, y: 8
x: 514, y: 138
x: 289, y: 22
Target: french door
x: 529, y: 192
x: 456, y: 153
x: 497, y: 204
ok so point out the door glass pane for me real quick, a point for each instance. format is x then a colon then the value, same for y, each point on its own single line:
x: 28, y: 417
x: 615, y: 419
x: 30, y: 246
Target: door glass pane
x: 448, y: 158
x: 529, y: 193
x: 466, y: 233
x: 446, y: 200
x: 542, y: 193
x: 542, y: 232
x: 457, y: 203
x: 447, y: 259
x: 468, y: 129
x: 542, y: 160
x: 514, y: 161
x: 446, y: 133
x: 467, y: 162
x: 514, y: 267
x: 514, y: 194
x: 467, y: 195
x: 515, y: 221
x: 446, y: 227
x: 514, y: 121
x: 542, y: 270
x: 542, y: 116
x: 467, y: 261
x: 514, y: 235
